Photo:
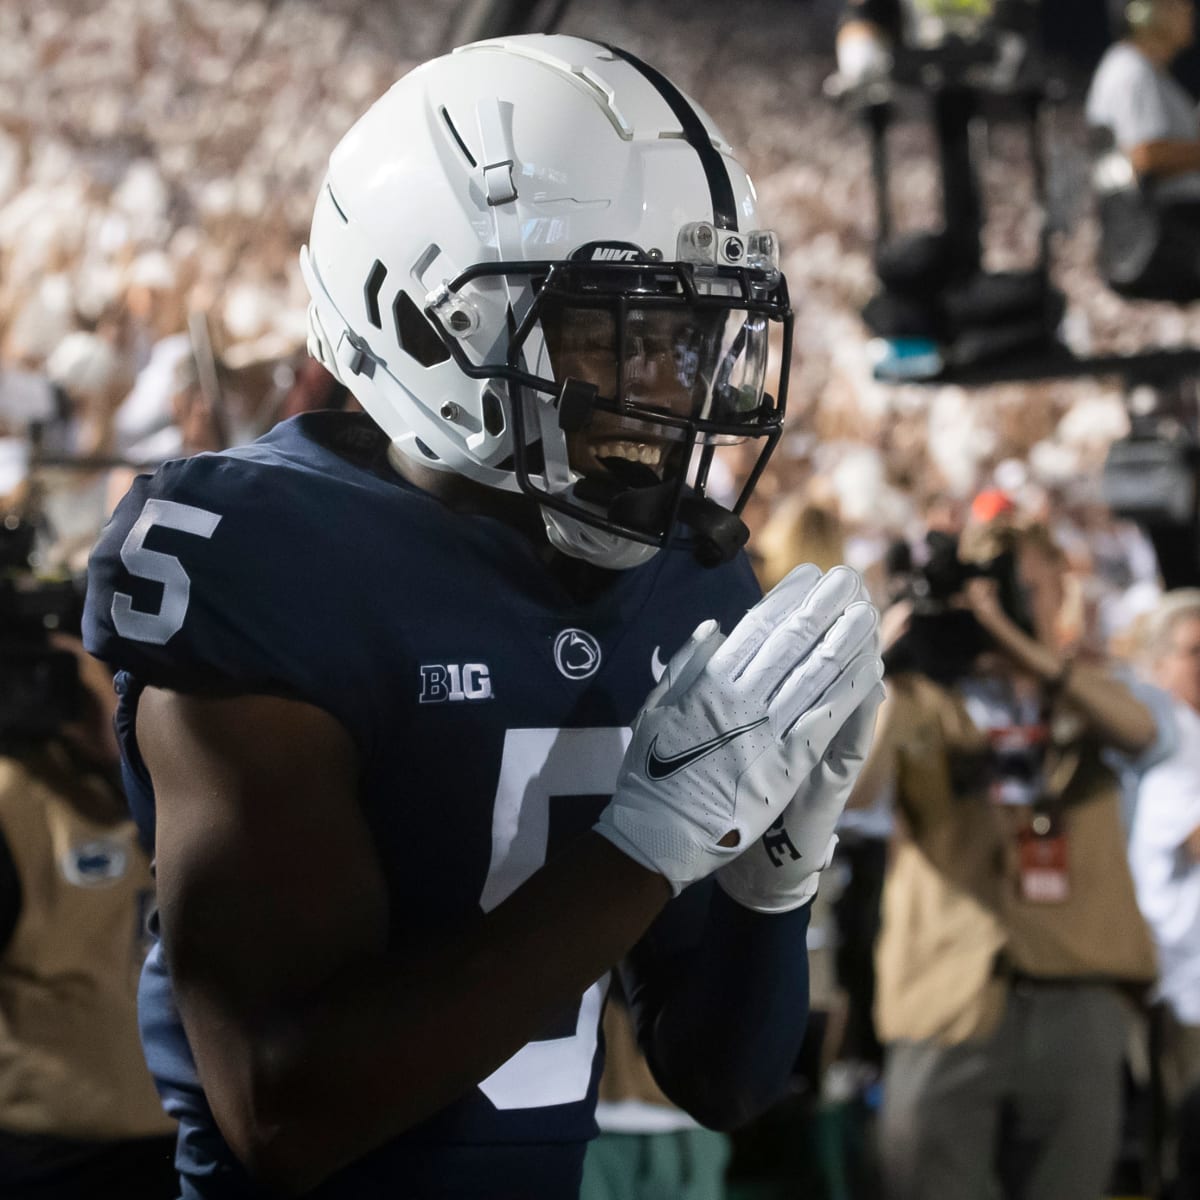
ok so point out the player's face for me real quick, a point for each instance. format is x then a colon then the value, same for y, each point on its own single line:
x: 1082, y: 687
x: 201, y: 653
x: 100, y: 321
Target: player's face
x: 656, y: 365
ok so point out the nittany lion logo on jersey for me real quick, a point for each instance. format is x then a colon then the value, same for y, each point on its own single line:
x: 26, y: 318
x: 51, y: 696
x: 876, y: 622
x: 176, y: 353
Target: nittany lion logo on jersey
x: 576, y: 654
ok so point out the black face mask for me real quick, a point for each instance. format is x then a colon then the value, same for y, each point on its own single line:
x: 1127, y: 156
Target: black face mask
x: 685, y: 348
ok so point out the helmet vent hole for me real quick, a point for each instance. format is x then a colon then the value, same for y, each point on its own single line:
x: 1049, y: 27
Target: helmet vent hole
x: 458, y: 137
x: 371, y: 292
x: 493, y: 413
x: 417, y: 337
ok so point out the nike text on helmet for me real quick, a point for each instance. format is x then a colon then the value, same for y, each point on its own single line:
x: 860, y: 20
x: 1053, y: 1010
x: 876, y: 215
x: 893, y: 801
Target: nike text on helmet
x: 521, y: 209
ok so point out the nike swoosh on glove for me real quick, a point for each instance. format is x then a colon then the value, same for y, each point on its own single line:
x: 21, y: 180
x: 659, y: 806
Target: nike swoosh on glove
x: 737, y: 724
x: 782, y: 869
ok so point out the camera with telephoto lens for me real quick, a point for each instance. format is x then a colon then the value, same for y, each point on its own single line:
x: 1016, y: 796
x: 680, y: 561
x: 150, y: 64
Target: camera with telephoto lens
x: 944, y: 639
x: 40, y: 688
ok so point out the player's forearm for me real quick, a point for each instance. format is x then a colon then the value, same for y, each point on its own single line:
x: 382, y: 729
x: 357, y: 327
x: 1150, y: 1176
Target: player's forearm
x: 398, y: 1037
x: 723, y: 1033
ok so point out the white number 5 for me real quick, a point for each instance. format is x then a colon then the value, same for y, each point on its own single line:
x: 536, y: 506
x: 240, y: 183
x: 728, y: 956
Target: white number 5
x: 536, y: 765
x: 158, y: 627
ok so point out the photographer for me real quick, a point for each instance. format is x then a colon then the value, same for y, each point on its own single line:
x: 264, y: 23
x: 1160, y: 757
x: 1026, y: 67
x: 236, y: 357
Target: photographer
x: 79, y: 1116
x: 1009, y: 920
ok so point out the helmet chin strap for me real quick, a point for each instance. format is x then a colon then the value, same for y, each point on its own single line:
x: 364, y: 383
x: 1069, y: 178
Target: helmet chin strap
x: 717, y: 533
x: 580, y: 540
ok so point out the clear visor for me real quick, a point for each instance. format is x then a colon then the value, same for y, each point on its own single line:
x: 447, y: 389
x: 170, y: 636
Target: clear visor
x: 674, y: 361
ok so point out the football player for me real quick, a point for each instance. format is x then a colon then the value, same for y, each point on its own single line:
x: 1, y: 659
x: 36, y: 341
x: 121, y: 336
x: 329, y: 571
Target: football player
x: 384, y: 678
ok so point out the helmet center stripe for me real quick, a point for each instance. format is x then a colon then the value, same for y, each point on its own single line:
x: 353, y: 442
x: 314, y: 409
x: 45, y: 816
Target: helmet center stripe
x: 721, y: 190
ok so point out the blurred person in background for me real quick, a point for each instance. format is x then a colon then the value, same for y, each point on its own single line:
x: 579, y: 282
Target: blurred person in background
x: 992, y: 506
x: 1010, y: 926
x: 799, y: 530
x: 1135, y: 103
x: 1133, y: 95
x: 92, y: 380
x: 88, y: 379
x: 152, y: 334
x: 26, y: 398
x: 79, y: 1116
x: 197, y: 409
x: 804, y: 527
x: 1164, y: 853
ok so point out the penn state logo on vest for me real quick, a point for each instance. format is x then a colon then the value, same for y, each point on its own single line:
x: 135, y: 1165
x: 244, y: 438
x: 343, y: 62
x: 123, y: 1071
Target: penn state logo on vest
x: 448, y: 683
x: 95, y: 863
x: 576, y: 654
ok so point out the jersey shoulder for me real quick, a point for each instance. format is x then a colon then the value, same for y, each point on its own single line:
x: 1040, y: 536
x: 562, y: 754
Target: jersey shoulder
x: 725, y: 592
x: 208, y: 574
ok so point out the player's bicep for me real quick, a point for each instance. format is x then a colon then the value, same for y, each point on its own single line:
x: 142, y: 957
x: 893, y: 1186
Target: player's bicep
x: 268, y: 883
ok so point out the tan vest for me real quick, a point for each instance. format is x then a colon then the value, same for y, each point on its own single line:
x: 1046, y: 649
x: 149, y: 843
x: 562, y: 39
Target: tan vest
x: 70, y: 1060
x: 952, y: 907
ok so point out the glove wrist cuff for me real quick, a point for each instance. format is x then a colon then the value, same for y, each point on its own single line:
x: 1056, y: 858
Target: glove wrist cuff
x: 795, y: 897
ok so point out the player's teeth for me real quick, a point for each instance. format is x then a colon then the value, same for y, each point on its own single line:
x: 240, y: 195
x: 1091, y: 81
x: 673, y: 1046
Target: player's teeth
x: 651, y: 456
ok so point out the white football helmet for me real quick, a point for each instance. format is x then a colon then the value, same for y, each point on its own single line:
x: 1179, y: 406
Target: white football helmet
x: 535, y: 263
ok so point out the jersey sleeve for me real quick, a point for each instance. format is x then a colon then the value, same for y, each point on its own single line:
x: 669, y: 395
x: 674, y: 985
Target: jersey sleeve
x: 206, y: 580
x: 711, y: 973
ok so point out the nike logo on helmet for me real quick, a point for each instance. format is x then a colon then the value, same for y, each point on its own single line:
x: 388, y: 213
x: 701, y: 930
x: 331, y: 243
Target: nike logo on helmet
x: 663, y: 768
x: 614, y: 254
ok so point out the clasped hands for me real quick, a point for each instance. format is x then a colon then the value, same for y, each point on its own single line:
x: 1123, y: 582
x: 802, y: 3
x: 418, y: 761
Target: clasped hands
x: 743, y: 756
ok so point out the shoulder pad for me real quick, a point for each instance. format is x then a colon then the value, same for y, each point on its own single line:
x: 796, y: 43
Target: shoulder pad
x: 189, y: 585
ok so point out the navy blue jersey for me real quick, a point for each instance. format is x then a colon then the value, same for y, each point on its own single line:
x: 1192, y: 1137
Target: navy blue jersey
x: 489, y: 708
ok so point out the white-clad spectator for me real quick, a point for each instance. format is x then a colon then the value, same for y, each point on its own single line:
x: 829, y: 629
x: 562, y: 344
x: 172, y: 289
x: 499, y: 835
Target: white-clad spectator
x: 91, y: 379
x: 1151, y: 117
x: 1165, y: 858
x: 25, y: 397
x: 1135, y: 105
x: 145, y: 421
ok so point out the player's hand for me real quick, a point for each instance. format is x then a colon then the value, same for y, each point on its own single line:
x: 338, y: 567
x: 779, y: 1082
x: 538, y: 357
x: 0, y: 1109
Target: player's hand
x: 782, y: 869
x: 737, y: 725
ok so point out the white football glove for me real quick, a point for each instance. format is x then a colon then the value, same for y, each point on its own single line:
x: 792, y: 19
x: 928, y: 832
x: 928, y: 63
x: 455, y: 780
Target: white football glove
x: 736, y: 725
x: 782, y: 869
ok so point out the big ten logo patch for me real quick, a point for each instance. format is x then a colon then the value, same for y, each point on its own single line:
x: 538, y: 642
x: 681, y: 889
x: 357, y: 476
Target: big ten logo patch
x: 446, y: 682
